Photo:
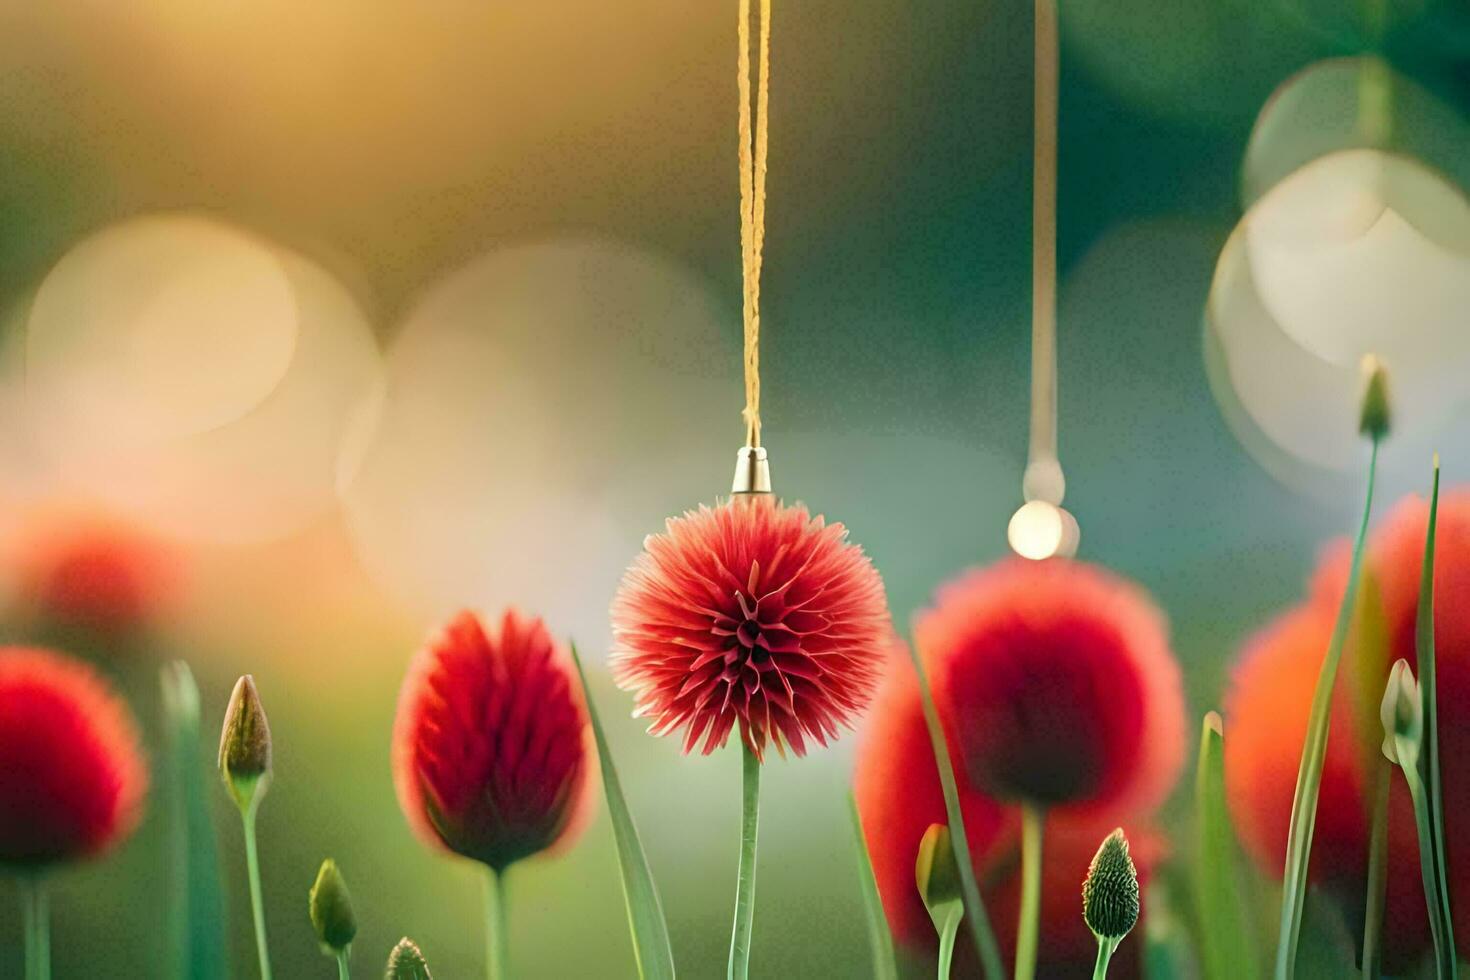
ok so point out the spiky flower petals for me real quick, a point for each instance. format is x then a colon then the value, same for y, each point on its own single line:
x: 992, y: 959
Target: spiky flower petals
x: 1110, y: 890
x: 1062, y: 685
x: 72, y: 775
x: 330, y: 906
x: 245, y: 746
x: 490, y: 753
x: 750, y: 613
x: 406, y: 962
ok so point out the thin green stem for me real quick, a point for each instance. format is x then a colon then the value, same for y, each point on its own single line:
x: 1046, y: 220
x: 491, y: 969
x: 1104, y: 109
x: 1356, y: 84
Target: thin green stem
x: 946, y: 941
x: 1444, y: 953
x: 1033, y: 826
x: 1105, y: 948
x: 1314, y: 753
x: 342, y: 971
x: 750, y: 810
x: 980, y: 929
x: 257, y: 902
x: 36, y: 905
x: 497, y: 926
x: 1377, y: 870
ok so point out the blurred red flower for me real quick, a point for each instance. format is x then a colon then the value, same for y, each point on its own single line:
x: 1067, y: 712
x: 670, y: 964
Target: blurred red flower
x: 490, y: 746
x: 96, y: 573
x: 1266, y: 721
x: 899, y: 796
x: 754, y: 613
x: 72, y: 775
x: 1061, y: 684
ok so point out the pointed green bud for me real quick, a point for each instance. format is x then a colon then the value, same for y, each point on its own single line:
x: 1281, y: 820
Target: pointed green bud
x: 935, y: 871
x: 1110, y: 890
x: 1402, y: 714
x: 406, y: 962
x: 331, y: 909
x: 245, y: 746
x: 1375, y: 417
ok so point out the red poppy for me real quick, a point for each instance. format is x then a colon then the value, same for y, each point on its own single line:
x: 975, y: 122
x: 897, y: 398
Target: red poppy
x: 751, y: 613
x: 1063, y: 685
x: 899, y: 796
x: 1269, y: 702
x: 490, y: 751
x: 72, y: 775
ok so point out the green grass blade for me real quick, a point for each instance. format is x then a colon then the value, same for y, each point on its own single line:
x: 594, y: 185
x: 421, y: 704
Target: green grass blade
x: 645, y: 912
x: 977, y: 917
x: 1314, y: 753
x: 1224, y: 938
x: 1377, y: 887
x: 196, y: 911
x: 1432, y: 852
x: 880, y: 940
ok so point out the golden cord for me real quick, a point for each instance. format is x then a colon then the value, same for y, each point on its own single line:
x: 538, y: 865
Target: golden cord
x: 753, y: 205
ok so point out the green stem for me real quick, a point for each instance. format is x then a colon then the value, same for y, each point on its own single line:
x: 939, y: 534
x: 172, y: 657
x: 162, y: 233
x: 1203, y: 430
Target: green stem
x: 880, y: 940
x: 1105, y: 948
x: 497, y: 926
x: 750, y: 809
x: 980, y: 929
x: 1314, y: 753
x: 1377, y: 870
x: 257, y: 902
x: 1444, y: 953
x: 342, y: 972
x: 1033, y: 825
x: 946, y: 941
x: 35, y: 902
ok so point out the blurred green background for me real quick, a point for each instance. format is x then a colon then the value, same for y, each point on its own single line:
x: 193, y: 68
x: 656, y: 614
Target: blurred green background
x: 394, y: 144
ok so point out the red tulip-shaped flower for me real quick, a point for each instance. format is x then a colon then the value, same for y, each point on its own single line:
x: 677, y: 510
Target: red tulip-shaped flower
x: 1270, y: 699
x: 490, y: 753
x: 750, y: 613
x: 72, y: 776
x: 1061, y: 684
x: 899, y: 796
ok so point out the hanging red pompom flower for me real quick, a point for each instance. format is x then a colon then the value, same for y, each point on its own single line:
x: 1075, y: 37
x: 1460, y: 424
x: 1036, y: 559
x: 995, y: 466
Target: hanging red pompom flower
x: 490, y: 753
x: 1063, y: 685
x: 1270, y: 699
x: 72, y: 775
x: 750, y: 612
x: 899, y: 796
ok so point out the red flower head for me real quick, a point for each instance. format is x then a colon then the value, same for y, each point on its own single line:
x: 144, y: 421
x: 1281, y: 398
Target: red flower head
x: 751, y: 612
x: 72, y: 776
x: 97, y: 573
x: 899, y: 796
x: 490, y: 753
x: 1270, y: 700
x: 1063, y: 684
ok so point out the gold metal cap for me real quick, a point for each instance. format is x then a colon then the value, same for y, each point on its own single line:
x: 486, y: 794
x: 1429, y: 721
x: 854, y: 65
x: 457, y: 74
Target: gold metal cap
x: 752, y: 471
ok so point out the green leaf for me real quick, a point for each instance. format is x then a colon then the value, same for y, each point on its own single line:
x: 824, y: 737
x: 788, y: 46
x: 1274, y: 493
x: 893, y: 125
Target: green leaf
x: 979, y: 920
x: 1431, y: 851
x: 196, y: 913
x: 1314, y: 754
x: 880, y: 940
x: 645, y: 912
x: 1224, y: 936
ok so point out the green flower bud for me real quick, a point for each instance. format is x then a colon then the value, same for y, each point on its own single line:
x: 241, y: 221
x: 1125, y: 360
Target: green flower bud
x: 1110, y: 890
x: 331, y: 909
x: 245, y: 746
x: 406, y: 962
x: 1402, y: 714
x: 937, y: 874
x: 1375, y: 417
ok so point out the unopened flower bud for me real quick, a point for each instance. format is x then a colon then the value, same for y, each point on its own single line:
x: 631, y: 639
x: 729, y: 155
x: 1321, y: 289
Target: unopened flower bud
x: 1110, y: 891
x: 406, y: 962
x: 937, y: 874
x: 1375, y: 417
x: 245, y: 746
x: 331, y: 909
x: 1402, y: 714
